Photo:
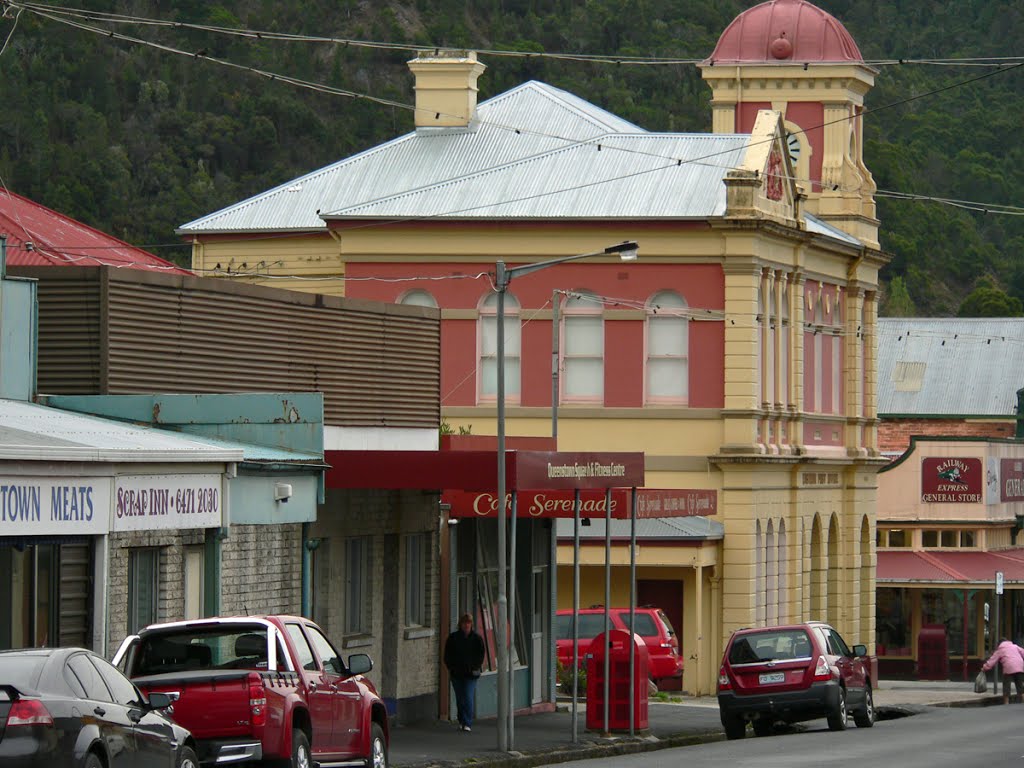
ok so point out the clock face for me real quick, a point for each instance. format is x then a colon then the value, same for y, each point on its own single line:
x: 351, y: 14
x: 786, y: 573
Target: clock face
x: 793, y: 142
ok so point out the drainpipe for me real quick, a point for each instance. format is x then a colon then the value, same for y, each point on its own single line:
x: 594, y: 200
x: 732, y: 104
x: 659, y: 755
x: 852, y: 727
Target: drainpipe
x: 308, y: 547
x: 1019, y: 432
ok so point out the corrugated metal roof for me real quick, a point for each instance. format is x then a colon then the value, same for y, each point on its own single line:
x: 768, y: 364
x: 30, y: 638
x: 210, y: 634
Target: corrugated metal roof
x: 32, y: 432
x: 38, y: 236
x: 670, y: 528
x: 949, y: 366
x: 819, y: 227
x: 261, y: 454
x: 531, y: 136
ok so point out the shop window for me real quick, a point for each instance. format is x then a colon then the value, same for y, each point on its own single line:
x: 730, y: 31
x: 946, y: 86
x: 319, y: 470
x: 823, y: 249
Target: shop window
x: 930, y: 539
x: 967, y: 539
x: 143, y: 588
x: 489, y: 347
x: 582, y: 348
x: 898, y: 538
x: 416, y: 580
x: 893, y: 622
x: 667, y: 348
x: 946, y: 607
x: 28, y: 612
x: 418, y: 298
x: 357, y: 586
x: 950, y: 538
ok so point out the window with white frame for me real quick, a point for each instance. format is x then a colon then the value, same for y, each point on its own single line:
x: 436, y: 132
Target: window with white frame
x: 582, y: 348
x: 418, y: 298
x: 143, y: 587
x: 836, y: 319
x: 771, y: 396
x: 489, y: 347
x: 416, y: 580
x: 357, y: 586
x: 784, y: 394
x: 667, y: 348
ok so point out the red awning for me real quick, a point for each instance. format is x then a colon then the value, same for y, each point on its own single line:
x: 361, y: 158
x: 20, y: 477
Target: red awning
x: 950, y: 567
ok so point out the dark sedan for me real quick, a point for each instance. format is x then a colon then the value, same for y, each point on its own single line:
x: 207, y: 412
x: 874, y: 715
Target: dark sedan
x: 69, y: 707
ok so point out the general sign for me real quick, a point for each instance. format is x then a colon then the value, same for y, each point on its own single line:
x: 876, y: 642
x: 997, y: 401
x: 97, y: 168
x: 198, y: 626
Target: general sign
x: 674, y: 502
x: 156, y: 502
x: 543, y: 469
x: 66, y: 506
x: 949, y: 480
x: 1011, y: 479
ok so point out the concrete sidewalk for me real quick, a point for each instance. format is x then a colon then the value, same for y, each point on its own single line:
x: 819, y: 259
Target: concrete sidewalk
x: 547, y: 738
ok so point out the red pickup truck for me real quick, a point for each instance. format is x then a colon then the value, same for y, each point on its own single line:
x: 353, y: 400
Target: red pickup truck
x: 266, y: 687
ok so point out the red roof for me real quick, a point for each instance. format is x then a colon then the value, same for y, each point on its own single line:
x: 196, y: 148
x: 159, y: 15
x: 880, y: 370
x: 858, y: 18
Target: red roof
x: 38, y: 236
x: 785, y: 31
x: 951, y: 567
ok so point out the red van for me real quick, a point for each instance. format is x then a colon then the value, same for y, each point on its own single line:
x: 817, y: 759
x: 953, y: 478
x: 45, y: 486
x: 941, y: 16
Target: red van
x: 651, y: 624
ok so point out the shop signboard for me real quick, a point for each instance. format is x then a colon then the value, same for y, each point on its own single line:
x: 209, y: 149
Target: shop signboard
x: 952, y: 480
x: 544, y: 469
x: 1011, y: 480
x: 61, y: 506
x: 651, y: 502
x: 160, y: 502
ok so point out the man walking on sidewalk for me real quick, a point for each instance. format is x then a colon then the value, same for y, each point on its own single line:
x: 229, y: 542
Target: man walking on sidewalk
x: 464, y: 655
x: 1011, y: 658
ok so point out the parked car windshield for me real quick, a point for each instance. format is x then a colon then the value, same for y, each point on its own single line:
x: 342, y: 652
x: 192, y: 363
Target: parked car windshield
x: 21, y: 670
x: 771, y: 645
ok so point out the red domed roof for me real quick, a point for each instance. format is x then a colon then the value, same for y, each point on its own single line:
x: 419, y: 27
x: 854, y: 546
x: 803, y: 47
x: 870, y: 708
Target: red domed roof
x: 782, y: 31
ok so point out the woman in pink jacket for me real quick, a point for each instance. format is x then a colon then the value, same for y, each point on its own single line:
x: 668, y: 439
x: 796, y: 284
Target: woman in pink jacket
x: 1011, y: 658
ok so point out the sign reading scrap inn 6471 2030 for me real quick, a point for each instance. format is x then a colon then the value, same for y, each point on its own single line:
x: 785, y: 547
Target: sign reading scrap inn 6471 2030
x: 951, y: 480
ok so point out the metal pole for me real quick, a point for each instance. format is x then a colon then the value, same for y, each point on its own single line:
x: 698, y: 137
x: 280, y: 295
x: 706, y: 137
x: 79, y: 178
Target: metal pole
x: 607, y: 596
x: 512, y: 624
x: 964, y: 637
x: 575, y: 614
x: 501, y: 285
x: 632, y: 610
x: 554, y: 364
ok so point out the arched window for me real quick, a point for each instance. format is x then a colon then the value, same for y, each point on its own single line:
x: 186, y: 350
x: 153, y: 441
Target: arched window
x: 667, y: 348
x: 759, y: 587
x: 418, y: 298
x: 582, y: 348
x: 489, y: 347
x: 782, y: 613
x: 771, y: 591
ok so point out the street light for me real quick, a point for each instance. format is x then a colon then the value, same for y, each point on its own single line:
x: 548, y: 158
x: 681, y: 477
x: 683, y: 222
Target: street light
x: 503, y: 275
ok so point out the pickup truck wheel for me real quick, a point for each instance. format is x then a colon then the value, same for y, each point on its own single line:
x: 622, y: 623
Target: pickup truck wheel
x: 378, y: 749
x: 300, y: 750
x: 92, y: 760
x: 187, y: 758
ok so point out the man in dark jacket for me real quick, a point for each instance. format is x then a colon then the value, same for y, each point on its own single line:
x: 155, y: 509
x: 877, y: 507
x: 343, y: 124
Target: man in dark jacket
x: 464, y: 655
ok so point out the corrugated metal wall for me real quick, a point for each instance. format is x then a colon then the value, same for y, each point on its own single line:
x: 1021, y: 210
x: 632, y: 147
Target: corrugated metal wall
x: 377, y: 364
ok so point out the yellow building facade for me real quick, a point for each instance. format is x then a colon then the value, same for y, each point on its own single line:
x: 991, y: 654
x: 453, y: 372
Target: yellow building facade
x: 769, y: 265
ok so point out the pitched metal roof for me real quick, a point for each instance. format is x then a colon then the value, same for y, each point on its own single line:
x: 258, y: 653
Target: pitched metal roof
x: 949, y: 366
x: 525, y: 144
x: 950, y: 567
x: 30, y: 432
x: 39, y: 236
x: 664, y: 528
x: 818, y: 227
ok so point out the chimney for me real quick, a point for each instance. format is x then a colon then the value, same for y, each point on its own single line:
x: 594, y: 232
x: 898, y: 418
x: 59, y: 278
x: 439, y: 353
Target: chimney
x: 446, y: 88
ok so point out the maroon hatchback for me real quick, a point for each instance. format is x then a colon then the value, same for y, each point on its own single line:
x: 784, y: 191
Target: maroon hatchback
x: 793, y: 673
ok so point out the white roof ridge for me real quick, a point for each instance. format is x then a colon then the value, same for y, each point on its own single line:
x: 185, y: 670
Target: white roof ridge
x: 566, y: 100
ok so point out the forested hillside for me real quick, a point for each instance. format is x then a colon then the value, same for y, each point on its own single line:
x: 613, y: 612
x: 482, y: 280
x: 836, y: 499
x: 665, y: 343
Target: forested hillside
x: 136, y: 140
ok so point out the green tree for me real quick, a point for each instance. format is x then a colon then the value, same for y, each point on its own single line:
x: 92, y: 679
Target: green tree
x: 898, y: 302
x: 987, y: 300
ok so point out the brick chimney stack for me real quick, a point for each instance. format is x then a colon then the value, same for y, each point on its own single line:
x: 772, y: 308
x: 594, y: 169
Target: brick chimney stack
x: 446, y: 88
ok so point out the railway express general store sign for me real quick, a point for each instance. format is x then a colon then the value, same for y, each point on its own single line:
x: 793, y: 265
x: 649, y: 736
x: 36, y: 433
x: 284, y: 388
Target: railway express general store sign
x: 951, y: 480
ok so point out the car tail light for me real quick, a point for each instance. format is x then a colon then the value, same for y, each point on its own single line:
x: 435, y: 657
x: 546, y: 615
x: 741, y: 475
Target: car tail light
x: 822, y: 671
x: 28, y: 712
x: 723, y: 680
x: 257, y: 700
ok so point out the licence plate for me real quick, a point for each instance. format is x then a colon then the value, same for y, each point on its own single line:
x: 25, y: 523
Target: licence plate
x: 772, y: 677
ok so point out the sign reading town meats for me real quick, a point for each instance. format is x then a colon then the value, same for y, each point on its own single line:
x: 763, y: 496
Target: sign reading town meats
x: 151, y: 502
x: 948, y: 480
x: 673, y: 502
x: 63, y: 506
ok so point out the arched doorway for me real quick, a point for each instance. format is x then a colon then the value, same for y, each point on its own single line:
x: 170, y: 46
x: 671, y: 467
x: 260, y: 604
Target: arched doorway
x: 817, y: 585
x: 832, y: 566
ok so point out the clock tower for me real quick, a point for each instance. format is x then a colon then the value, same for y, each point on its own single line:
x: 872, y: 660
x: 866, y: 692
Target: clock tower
x: 794, y: 58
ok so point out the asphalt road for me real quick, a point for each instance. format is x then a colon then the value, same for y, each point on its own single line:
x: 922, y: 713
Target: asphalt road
x: 986, y: 737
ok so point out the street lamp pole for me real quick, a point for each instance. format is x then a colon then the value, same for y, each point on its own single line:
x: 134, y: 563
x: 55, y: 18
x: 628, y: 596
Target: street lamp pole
x: 627, y: 251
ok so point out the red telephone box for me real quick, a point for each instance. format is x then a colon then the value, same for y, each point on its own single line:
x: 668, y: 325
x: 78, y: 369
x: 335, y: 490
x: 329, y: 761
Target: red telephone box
x: 932, y: 654
x: 620, y: 687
